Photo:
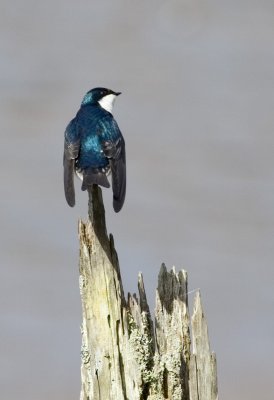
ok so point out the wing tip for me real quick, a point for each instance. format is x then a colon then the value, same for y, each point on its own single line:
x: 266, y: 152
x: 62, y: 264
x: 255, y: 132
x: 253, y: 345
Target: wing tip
x: 71, y: 203
x: 69, y: 180
x: 117, y: 207
x: 70, y: 199
x: 118, y: 204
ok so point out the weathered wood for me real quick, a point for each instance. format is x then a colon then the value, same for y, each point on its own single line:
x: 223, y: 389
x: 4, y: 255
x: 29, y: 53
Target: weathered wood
x: 203, y: 368
x: 124, y: 357
x: 172, y: 335
x: 104, y: 313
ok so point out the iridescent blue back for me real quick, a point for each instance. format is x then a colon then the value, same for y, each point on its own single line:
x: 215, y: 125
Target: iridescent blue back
x: 93, y: 126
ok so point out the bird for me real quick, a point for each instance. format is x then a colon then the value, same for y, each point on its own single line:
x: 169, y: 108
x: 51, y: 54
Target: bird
x: 94, y: 147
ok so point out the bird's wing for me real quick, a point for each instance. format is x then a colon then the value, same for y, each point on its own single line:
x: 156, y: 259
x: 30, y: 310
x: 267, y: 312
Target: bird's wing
x: 116, y: 153
x: 118, y: 170
x: 71, y: 151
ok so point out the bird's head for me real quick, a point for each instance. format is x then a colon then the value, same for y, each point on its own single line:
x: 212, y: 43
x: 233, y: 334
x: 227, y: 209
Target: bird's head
x: 104, y: 97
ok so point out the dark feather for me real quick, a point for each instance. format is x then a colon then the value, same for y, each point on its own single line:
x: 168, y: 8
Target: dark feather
x: 69, y: 181
x: 71, y: 151
x: 93, y: 176
x: 118, y: 171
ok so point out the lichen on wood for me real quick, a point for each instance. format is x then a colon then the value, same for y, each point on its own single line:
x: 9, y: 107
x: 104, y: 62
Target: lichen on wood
x: 126, y: 355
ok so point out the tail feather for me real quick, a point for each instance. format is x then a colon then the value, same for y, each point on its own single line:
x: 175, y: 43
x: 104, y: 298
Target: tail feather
x: 93, y: 176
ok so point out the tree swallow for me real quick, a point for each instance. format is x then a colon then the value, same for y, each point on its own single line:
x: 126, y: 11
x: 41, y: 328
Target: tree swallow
x: 94, y: 147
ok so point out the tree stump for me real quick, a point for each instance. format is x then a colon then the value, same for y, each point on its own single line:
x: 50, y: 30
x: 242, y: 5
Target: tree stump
x: 124, y: 356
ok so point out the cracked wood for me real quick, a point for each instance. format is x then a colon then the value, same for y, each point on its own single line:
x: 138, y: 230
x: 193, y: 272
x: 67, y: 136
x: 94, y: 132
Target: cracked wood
x: 125, y: 355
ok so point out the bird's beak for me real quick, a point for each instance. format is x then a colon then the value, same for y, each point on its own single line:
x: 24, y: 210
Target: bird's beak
x: 118, y: 93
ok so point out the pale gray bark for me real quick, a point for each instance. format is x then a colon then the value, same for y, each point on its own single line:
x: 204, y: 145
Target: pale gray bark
x: 203, y: 368
x: 124, y: 357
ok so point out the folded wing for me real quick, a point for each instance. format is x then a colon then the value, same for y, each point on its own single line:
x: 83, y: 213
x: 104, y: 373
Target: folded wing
x: 71, y: 151
x: 116, y: 153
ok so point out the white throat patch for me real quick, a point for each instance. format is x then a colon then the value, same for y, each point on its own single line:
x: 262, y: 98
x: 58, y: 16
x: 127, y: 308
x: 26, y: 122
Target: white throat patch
x: 107, y: 102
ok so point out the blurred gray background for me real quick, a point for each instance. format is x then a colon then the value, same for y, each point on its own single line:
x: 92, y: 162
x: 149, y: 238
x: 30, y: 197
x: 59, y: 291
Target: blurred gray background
x: 197, y: 78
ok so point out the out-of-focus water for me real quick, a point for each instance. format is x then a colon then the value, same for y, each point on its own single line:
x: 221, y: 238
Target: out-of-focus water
x: 197, y: 114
